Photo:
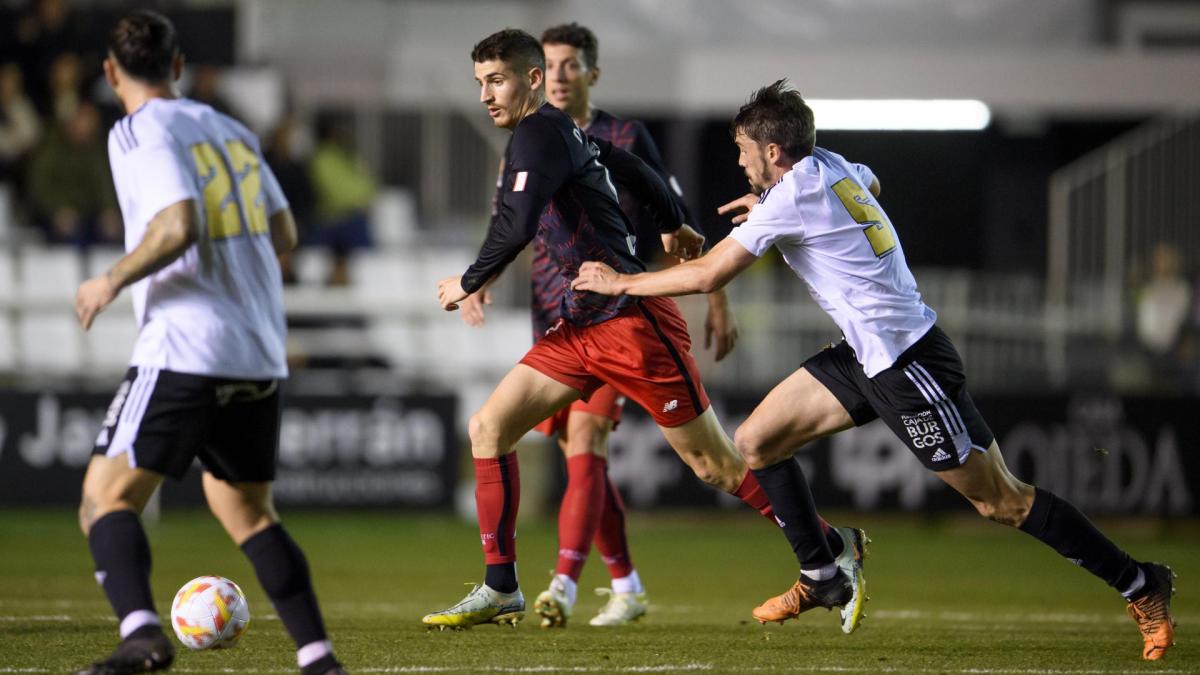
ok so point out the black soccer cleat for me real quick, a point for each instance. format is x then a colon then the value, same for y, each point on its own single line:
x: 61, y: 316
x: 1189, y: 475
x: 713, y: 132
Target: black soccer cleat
x: 326, y: 665
x: 145, y: 651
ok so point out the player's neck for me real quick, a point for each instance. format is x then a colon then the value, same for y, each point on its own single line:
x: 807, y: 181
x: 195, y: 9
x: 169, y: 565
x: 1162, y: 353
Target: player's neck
x: 533, y: 106
x: 136, y: 96
x: 583, y: 116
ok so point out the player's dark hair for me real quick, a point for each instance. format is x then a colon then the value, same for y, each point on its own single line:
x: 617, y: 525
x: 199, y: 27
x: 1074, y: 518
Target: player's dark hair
x: 144, y: 43
x: 513, y: 46
x: 778, y: 114
x: 579, y: 37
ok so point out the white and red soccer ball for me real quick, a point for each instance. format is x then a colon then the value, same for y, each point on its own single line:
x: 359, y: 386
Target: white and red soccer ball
x: 209, y: 613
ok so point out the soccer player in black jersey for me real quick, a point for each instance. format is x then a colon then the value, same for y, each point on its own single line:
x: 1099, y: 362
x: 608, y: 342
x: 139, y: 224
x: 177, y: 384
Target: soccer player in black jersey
x: 591, y: 505
x: 639, y: 347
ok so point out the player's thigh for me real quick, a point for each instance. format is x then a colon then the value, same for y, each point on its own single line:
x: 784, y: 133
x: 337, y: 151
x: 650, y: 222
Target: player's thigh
x: 523, y: 398
x: 798, y: 410
x: 705, y: 447
x: 110, y: 484
x: 243, y: 509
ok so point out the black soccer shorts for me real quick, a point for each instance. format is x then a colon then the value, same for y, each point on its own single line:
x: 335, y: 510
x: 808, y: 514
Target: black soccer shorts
x: 922, y: 397
x: 162, y: 420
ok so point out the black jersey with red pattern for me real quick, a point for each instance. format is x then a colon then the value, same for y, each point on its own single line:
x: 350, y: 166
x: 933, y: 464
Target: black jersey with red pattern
x: 631, y: 136
x: 558, y: 185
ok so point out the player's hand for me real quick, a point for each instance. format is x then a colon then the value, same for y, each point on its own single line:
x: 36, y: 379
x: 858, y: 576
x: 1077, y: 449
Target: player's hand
x: 92, y: 297
x: 597, y: 278
x: 472, y: 307
x: 745, y: 204
x: 720, y: 328
x: 684, y: 243
x: 450, y: 293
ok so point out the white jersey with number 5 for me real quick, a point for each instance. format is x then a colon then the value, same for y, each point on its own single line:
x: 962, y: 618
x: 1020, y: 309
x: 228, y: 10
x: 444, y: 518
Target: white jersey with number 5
x: 835, y: 236
x: 217, y: 310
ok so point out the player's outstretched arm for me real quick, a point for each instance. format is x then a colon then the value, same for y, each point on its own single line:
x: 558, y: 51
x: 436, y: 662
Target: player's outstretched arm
x: 168, y: 235
x: 703, y: 275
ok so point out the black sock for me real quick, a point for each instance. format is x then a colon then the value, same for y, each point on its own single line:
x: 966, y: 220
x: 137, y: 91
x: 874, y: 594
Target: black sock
x: 1063, y: 528
x: 283, y: 572
x: 792, y: 501
x: 501, y: 577
x: 122, y: 555
x: 836, y: 545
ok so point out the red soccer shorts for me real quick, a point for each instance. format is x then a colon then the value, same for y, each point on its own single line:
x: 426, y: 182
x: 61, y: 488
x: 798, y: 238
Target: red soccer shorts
x: 604, y: 402
x: 643, y: 352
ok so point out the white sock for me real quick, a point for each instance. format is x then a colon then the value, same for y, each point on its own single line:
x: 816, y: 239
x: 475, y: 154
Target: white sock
x: 821, y: 573
x: 570, y: 587
x: 136, y: 619
x: 628, y: 584
x: 1138, y: 582
x: 313, y: 651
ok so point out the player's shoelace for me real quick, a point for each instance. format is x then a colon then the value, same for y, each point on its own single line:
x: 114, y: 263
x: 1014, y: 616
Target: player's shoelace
x: 1150, y: 612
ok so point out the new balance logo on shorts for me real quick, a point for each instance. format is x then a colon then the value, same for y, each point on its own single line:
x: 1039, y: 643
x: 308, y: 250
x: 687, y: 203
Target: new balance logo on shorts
x: 671, y: 405
x: 941, y: 455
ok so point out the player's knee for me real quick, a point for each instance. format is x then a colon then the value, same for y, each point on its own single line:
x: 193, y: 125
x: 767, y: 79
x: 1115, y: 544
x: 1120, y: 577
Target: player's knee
x: 1005, y: 509
x: 483, y: 430
x: 753, y: 448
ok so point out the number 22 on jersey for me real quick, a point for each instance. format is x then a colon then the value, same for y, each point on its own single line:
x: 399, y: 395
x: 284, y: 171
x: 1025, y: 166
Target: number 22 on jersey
x: 229, y: 213
x: 858, y: 203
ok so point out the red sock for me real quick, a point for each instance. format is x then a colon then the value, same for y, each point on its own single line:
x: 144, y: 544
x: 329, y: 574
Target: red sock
x: 497, y: 497
x: 610, y: 538
x: 752, y: 493
x: 579, y: 515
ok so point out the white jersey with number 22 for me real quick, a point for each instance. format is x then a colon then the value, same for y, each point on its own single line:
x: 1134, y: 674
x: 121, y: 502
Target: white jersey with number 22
x: 217, y: 310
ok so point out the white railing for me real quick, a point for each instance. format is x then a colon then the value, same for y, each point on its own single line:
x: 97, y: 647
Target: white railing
x: 1108, y: 210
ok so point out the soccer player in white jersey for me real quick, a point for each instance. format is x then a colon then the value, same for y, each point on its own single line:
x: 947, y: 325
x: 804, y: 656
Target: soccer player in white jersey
x: 204, y: 221
x: 823, y: 215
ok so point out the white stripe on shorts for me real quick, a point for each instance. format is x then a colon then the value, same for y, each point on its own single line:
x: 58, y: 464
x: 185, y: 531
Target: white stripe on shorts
x: 935, y: 397
x: 131, y: 414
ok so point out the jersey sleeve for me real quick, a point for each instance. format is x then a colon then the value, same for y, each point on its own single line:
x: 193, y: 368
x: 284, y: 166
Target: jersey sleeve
x: 644, y: 182
x: 152, y: 175
x: 541, y: 164
x: 772, y: 220
x: 864, y: 174
x: 647, y: 151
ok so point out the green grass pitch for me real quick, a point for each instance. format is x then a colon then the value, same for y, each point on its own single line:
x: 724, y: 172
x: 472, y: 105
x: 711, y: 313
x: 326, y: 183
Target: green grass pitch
x: 949, y: 595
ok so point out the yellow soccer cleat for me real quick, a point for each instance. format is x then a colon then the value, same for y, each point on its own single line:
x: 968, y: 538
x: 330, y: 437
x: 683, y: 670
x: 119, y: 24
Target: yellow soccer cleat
x: 553, y: 605
x: 850, y: 562
x: 482, y: 605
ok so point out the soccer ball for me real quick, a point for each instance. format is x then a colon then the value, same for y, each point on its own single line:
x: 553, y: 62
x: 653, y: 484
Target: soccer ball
x: 209, y: 613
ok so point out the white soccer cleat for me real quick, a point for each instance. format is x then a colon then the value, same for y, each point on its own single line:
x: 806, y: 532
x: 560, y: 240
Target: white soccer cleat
x: 621, y: 608
x: 850, y: 562
x: 553, y: 605
x: 482, y: 605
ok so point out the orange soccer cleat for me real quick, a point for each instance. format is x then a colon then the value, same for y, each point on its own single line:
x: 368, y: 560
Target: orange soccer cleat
x: 804, y: 595
x: 1152, y: 611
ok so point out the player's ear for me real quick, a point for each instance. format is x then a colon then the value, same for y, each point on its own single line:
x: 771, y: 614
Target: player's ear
x: 177, y: 67
x: 111, y: 74
x: 593, y: 76
x: 536, y: 77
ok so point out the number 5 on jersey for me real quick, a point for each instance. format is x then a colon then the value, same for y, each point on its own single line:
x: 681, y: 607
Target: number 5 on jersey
x: 229, y: 213
x: 858, y: 203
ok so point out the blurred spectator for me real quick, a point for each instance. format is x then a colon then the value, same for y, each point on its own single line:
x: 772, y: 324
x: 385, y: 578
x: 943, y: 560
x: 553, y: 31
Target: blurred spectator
x: 19, y: 125
x: 344, y: 189
x: 1163, y: 304
x: 69, y: 186
x: 42, y: 35
x: 206, y: 88
x: 287, y: 156
x: 66, y: 86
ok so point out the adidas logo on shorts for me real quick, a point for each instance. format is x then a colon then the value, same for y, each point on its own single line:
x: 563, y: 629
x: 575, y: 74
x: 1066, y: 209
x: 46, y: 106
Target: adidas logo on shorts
x: 940, y: 456
x: 671, y: 405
